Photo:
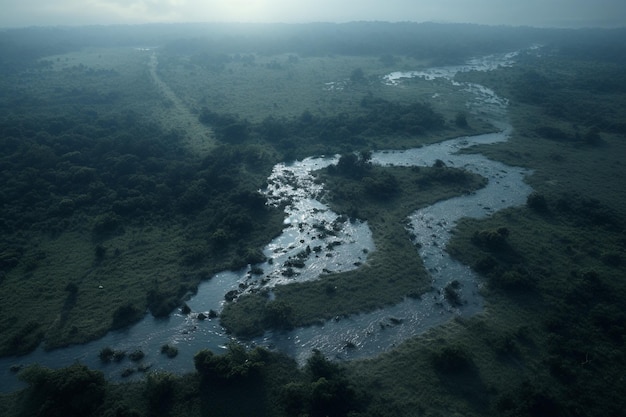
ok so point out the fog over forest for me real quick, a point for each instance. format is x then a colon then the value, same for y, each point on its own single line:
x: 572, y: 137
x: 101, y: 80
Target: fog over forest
x: 539, y: 13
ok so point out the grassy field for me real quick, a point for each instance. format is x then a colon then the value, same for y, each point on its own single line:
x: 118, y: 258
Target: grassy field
x: 284, y: 86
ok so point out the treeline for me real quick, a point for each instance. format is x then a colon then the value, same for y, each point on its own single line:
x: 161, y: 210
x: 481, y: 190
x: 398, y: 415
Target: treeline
x: 251, y: 382
x: 297, y: 136
x: 444, y: 43
x: 21, y: 48
x: 119, y: 169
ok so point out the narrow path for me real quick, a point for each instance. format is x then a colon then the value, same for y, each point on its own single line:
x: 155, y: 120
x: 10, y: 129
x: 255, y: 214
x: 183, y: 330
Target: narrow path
x: 198, y: 137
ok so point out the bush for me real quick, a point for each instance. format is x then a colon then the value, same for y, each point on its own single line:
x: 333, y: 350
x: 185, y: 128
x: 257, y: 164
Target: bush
x: 537, y: 202
x: 318, y: 366
x: 125, y: 316
x: 234, y: 365
x: 161, y: 304
x: 450, y: 292
x: 106, y: 354
x: 136, y: 355
x: 279, y: 314
x: 169, y: 350
x: 328, y: 392
x: 461, y: 120
x: 352, y: 165
x: 513, y: 280
x: 493, y: 239
x: 106, y: 224
x: 452, y: 359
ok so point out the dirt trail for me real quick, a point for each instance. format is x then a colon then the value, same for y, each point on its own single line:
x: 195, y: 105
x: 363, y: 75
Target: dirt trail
x: 198, y: 137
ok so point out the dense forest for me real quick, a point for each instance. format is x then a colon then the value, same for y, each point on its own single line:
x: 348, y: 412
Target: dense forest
x: 113, y: 208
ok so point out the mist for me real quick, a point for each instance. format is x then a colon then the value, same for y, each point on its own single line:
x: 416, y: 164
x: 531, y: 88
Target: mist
x: 537, y: 13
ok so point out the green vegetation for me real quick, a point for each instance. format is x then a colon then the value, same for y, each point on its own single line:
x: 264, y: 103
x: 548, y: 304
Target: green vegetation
x: 253, y: 382
x: 110, y: 209
x: 310, y: 135
x: 107, y: 191
x: 384, y: 197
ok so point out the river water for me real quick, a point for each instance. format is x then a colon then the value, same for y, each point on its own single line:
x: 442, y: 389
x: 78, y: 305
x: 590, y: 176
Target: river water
x: 326, y: 242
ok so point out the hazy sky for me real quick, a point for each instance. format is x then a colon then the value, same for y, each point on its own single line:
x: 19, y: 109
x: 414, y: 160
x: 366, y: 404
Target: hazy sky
x: 560, y: 13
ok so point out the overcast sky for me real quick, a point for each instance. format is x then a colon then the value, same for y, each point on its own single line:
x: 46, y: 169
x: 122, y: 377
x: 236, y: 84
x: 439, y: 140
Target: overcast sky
x: 559, y: 13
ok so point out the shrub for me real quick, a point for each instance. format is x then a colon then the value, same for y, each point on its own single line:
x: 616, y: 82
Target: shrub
x: 450, y: 292
x: 235, y: 364
x: 136, y: 355
x: 106, y: 354
x: 125, y: 315
x: 513, y: 280
x: 358, y: 76
x: 486, y: 264
x: 461, y: 120
x: 493, y: 239
x: 452, y: 359
x: 537, y: 202
x: 161, y: 304
x: 318, y: 366
x: 169, y: 350
x: 106, y: 224
x: 279, y: 314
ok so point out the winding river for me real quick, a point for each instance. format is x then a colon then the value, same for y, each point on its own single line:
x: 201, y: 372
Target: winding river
x: 310, y: 223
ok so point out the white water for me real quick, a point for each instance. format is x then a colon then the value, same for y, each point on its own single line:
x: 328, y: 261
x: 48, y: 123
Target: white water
x: 311, y: 224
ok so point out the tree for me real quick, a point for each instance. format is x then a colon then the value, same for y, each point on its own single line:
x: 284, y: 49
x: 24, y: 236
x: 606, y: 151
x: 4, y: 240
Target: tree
x: 353, y: 165
x: 358, y: 76
x: 68, y: 392
x: 234, y: 365
x: 279, y: 314
x: 159, y: 391
x: 461, y: 120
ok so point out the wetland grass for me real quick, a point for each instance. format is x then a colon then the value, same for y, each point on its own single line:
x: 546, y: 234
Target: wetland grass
x: 393, y: 271
x: 545, y: 296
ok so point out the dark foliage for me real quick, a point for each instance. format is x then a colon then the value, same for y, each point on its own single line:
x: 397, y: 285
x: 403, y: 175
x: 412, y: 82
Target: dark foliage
x: 588, y: 211
x: 537, y: 202
x: 62, y: 165
x: 492, y: 239
x: 159, y: 393
x: 279, y: 315
x: 451, y: 293
x: 382, y: 117
x: 125, y: 315
x: 352, y: 165
x: 169, y: 350
x: 452, y: 359
x: 74, y: 391
x: 26, y: 338
x: 327, y: 392
x: 235, y: 365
